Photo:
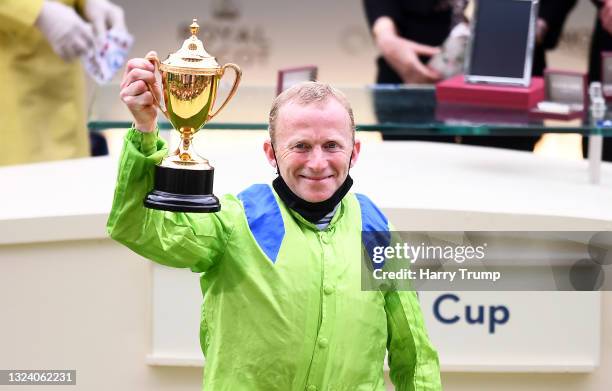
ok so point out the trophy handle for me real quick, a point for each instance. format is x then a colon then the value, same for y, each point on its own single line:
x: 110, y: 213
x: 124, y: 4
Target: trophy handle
x: 155, y: 61
x: 232, y: 92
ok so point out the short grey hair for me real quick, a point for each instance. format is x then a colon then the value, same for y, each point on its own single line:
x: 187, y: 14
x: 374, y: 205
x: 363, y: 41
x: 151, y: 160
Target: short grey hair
x: 305, y: 93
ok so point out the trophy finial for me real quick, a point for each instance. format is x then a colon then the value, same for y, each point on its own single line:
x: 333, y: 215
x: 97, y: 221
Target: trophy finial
x: 195, y: 27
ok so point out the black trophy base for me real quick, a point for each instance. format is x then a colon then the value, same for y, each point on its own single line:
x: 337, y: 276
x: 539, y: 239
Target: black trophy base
x: 183, y: 190
x: 182, y: 202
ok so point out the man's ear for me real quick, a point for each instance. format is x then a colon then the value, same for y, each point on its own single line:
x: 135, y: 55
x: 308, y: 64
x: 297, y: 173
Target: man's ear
x: 355, y: 155
x: 269, y: 151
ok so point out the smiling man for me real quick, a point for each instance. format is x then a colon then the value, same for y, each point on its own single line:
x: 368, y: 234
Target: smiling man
x: 280, y: 265
x: 312, y: 146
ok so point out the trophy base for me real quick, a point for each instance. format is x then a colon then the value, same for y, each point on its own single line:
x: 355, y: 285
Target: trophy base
x: 183, y: 190
x: 182, y: 203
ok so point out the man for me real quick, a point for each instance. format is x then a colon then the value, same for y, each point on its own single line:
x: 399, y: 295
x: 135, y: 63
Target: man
x: 283, y: 306
x: 42, y: 107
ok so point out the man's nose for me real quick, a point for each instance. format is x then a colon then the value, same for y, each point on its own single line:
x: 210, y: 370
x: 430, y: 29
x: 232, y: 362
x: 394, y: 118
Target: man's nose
x: 317, y: 160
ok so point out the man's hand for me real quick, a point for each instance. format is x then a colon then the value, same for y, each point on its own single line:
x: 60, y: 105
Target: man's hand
x: 136, y: 95
x: 68, y: 34
x: 403, y: 54
x: 104, y: 16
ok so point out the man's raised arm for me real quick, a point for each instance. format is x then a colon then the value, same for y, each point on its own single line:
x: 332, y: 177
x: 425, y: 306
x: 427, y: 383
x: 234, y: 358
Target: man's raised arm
x: 196, y: 241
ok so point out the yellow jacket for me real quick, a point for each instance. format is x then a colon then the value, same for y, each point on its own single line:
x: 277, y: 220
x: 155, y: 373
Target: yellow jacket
x: 42, y: 105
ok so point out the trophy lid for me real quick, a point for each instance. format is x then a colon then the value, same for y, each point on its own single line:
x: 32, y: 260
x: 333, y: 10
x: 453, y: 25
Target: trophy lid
x: 191, y: 57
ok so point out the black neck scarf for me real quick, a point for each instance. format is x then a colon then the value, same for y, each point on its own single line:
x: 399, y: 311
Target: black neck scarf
x: 311, y: 211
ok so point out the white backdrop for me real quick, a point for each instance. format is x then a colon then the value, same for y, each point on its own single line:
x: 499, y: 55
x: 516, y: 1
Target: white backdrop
x: 545, y: 331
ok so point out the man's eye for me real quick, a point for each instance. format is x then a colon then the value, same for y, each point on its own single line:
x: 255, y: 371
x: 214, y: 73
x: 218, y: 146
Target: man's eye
x: 301, y: 146
x: 331, y: 145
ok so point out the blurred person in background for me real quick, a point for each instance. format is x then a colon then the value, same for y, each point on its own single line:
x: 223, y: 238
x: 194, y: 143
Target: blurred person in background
x: 601, y: 41
x: 408, y: 33
x: 42, y: 106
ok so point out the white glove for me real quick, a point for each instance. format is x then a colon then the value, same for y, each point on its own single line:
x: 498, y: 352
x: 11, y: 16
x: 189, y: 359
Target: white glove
x: 69, y: 35
x: 104, y: 16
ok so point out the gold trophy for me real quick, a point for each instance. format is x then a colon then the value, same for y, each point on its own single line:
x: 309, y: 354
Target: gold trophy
x: 190, y: 77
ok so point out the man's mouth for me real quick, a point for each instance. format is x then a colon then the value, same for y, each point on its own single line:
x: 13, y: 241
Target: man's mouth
x: 316, y: 178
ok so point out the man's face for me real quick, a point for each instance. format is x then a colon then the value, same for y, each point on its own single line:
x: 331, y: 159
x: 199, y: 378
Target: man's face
x: 313, y: 146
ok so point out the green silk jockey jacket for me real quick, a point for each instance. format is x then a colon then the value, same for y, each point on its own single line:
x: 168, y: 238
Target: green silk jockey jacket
x: 283, y: 306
